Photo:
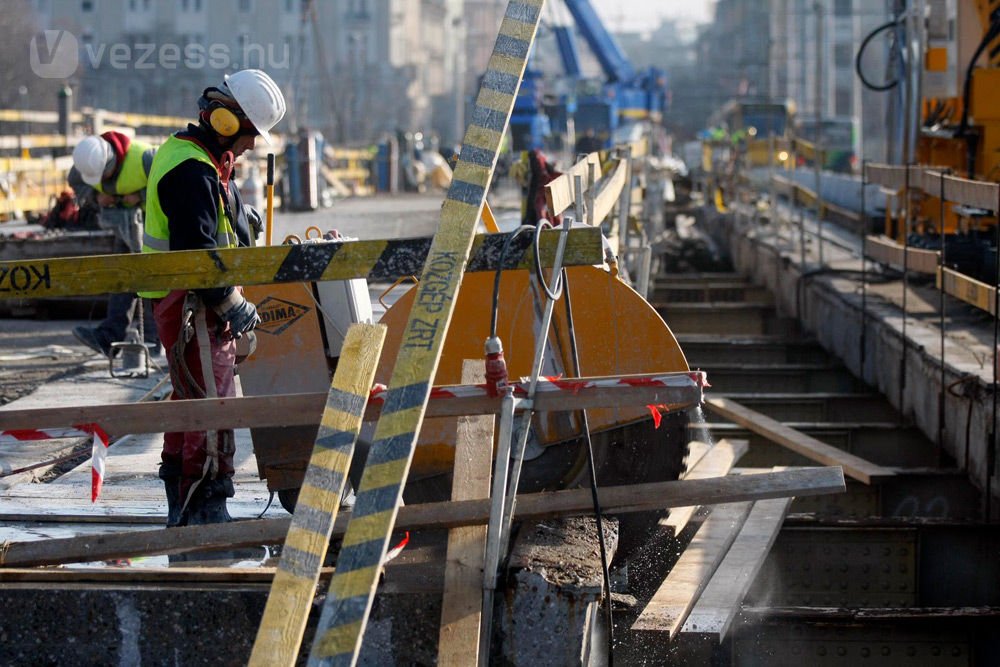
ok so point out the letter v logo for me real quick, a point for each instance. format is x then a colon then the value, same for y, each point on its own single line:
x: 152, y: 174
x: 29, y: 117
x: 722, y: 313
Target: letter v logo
x: 54, y: 54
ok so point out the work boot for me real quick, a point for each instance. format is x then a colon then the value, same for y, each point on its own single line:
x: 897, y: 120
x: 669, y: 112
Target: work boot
x: 89, y: 337
x: 170, y: 474
x: 208, y: 504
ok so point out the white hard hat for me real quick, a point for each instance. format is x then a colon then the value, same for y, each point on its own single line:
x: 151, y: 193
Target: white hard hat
x: 90, y: 157
x: 259, y: 97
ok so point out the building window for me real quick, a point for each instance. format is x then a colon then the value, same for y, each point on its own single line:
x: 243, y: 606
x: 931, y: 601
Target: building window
x: 843, y: 7
x: 843, y: 102
x: 87, y: 5
x: 843, y: 55
x: 244, y: 6
x: 358, y: 8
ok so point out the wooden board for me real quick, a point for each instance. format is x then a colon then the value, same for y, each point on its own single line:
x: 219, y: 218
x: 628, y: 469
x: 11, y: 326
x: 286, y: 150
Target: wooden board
x: 305, y: 408
x: 719, y: 602
x: 969, y: 290
x: 290, y: 601
x: 451, y: 514
x: 670, y: 605
x: 559, y: 193
x: 611, y: 189
x: 352, y: 588
x: 885, y: 250
x: 715, y: 463
x: 378, y: 261
x: 461, y: 608
x: 854, y: 466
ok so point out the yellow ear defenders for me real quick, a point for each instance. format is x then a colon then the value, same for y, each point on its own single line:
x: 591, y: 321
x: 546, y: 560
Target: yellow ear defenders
x: 224, y: 121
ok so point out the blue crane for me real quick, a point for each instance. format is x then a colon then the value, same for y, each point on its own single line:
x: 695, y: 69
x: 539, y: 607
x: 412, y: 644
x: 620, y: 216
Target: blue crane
x: 600, y: 110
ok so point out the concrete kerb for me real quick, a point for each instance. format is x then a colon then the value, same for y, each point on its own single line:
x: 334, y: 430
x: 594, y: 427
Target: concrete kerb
x: 833, y: 315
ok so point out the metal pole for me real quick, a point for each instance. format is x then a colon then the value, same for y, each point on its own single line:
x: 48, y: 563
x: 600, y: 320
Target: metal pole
x: 991, y: 447
x: 864, y: 266
x: 493, y: 532
x: 906, y: 287
x: 942, y: 304
x: 817, y: 153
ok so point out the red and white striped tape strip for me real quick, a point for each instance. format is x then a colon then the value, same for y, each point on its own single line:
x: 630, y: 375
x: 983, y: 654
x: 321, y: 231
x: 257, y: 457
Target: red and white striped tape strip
x: 99, y: 453
x: 557, y: 384
x: 545, y: 384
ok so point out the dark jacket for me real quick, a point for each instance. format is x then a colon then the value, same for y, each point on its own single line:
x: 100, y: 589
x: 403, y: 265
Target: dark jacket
x: 189, y: 195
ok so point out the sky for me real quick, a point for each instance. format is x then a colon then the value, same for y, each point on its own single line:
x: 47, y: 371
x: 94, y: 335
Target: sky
x: 643, y: 14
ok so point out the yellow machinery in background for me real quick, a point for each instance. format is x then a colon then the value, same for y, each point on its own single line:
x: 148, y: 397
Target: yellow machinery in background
x: 960, y: 112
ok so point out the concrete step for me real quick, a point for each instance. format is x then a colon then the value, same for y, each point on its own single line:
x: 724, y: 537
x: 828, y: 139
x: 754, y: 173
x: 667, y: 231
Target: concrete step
x: 882, y: 443
x: 707, y: 278
x: 820, y: 407
x: 733, y: 319
x: 682, y: 292
x: 779, y: 378
x: 718, y: 349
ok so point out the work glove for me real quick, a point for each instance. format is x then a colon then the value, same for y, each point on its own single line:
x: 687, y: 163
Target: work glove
x: 240, y: 313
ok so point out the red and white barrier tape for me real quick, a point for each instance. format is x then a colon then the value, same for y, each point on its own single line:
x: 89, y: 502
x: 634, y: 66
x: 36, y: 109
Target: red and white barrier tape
x: 377, y: 395
x: 99, y: 453
x: 558, y: 384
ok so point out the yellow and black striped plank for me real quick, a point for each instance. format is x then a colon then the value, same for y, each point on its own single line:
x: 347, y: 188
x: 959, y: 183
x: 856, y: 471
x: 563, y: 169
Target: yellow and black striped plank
x: 352, y: 587
x: 378, y: 261
x: 294, y: 585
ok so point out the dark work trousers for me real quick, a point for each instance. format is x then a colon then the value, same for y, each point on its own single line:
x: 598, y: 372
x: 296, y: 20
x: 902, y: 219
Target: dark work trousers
x: 126, y: 224
x: 187, y: 449
x: 121, y: 311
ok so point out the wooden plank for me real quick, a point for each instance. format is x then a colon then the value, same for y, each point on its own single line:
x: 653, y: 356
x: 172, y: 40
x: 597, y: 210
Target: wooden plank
x: 461, y: 607
x: 854, y: 466
x: 559, y: 192
x: 716, y: 463
x: 611, y: 190
x: 443, y: 515
x: 969, y: 290
x: 669, y: 607
x: 719, y: 602
x: 378, y: 261
x: 290, y: 601
x: 352, y: 588
x: 977, y: 194
x: 885, y: 250
x: 298, y: 409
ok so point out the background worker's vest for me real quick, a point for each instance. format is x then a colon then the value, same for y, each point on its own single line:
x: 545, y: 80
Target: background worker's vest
x: 134, y: 172
x: 156, y: 237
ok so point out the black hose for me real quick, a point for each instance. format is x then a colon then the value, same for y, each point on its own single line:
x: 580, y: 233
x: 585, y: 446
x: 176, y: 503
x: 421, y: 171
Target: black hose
x: 861, y: 52
x: 553, y: 294
x: 971, y: 140
x: 598, y: 514
x: 500, y: 267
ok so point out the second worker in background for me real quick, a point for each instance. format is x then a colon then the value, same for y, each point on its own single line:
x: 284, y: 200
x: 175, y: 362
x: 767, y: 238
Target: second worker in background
x: 192, y: 203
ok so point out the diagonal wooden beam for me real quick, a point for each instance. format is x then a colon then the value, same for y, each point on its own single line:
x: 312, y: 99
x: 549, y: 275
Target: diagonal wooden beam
x: 352, y: 588
x: 813, y: 449
x: 280, y: 634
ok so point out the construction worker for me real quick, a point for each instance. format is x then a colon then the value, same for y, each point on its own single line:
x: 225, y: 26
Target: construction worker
x: 109, y: 174
x: 193, y: 203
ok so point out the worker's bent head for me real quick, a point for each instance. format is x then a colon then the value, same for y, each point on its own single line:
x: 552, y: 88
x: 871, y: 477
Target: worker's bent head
x: 93, y: 157
x: 247, y: 104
